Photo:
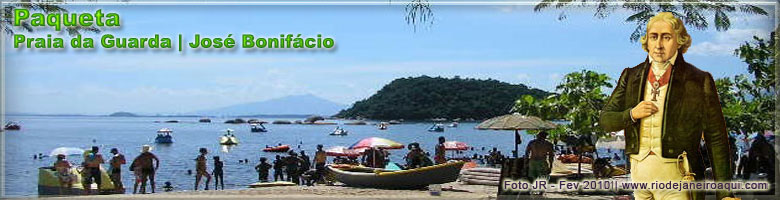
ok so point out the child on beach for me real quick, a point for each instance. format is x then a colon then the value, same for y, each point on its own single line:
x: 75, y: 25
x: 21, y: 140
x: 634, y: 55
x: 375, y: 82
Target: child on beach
x: 278, y: 169
x: 262, y: 170
x: 219, y: 178
x: 200, y: 169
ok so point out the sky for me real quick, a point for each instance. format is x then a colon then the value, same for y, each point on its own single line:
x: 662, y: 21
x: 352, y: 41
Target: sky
x: 374, y: 45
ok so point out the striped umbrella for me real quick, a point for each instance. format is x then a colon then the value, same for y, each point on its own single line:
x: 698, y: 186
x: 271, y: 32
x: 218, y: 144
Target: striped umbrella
x: 377, y: 142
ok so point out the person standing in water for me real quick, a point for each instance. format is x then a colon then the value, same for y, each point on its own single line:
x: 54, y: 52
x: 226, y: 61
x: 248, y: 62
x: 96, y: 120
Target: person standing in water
x: 200, y: 169
x: 219, y: 178
x: 144, y: 167
x: 262, y: 170
x: 278, y: 169
x: 92, y: 162
x: 116, y: 169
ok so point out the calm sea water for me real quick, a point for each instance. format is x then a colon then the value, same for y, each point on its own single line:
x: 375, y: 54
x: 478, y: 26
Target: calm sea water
x: 41, y: 134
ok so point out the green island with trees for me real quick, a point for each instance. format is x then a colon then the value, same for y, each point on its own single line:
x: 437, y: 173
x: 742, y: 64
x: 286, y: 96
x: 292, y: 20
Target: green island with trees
x: 424, y: 97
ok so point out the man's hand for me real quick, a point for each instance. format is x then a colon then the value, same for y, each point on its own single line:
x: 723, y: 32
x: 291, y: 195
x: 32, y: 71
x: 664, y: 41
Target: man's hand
x: 643, y: 109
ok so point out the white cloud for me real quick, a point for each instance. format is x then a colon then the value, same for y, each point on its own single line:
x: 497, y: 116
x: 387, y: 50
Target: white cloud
x: 724, y: 43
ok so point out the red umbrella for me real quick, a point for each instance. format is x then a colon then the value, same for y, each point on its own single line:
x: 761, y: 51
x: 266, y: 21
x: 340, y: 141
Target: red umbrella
x: 377, y: 143
x: 343, y: 151
x: 455, y: 146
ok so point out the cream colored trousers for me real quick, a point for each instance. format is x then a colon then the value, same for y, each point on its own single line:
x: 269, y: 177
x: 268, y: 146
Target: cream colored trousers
x: 655, y: 168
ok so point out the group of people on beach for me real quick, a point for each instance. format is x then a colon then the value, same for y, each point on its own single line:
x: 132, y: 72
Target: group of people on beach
x: 296, y: 168
x: 143, y: 166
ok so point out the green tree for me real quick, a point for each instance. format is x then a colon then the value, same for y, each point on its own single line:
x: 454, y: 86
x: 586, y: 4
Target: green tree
x: 579, y: 100
x: 748, y: 101
x: 692, y: 12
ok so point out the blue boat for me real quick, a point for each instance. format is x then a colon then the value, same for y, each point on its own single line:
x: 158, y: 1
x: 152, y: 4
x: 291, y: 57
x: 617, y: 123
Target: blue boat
x: 164, y: 136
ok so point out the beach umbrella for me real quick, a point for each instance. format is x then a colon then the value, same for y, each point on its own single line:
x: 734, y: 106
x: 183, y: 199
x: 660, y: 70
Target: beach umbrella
x: 377, y: 142
x: 516, y: 122
x: 66, y: 151
x: 343, y: 151
x: 455, y: 146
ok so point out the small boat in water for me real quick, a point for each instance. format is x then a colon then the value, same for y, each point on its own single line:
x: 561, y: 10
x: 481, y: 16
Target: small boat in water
x: 228, y: 138
x: 339, y: 131
x: 164, y: 136
x: 172, y: 121
x: 436, y: 128
x: 383, y: 125
x: 49, y: 183
x: 280, y: 148
x: 12, y: 126
x: 205, y: 120
x: 257, y: 128
x: 401, y: 179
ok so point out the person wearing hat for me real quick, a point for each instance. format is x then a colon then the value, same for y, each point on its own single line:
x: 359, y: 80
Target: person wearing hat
x: 147, y: 163
x: 413, y: 158
x: 63, y: 167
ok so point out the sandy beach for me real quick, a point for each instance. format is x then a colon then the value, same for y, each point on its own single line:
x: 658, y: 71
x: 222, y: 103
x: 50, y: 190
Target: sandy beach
x: 452, y: 190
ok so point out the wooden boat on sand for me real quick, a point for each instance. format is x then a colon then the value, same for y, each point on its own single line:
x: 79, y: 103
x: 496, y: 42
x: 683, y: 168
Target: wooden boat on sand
x: 402, y: 179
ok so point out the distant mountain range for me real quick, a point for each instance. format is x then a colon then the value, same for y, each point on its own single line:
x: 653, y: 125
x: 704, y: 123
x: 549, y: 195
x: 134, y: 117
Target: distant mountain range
x: 290, y: 105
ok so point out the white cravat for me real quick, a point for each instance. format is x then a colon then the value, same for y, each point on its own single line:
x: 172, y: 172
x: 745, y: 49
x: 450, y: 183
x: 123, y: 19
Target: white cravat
x: 659, y: 68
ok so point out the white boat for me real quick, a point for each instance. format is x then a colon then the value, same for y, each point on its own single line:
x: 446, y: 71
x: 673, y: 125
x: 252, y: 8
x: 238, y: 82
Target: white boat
x: 339, y: 131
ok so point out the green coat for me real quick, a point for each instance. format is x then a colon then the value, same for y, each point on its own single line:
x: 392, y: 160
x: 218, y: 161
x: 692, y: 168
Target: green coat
x: 692, y: 110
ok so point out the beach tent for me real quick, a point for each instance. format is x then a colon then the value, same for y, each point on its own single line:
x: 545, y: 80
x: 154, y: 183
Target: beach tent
x: 516, y: 122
